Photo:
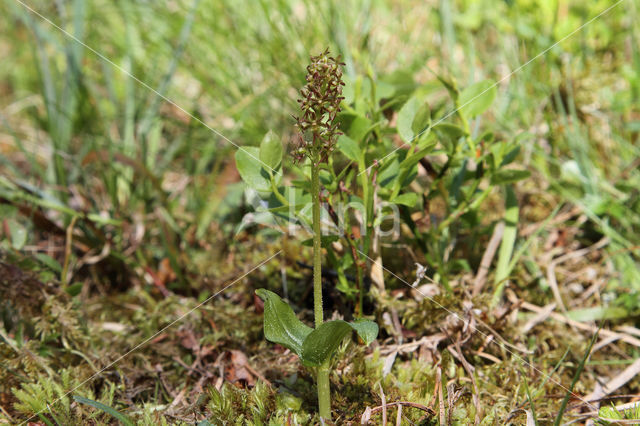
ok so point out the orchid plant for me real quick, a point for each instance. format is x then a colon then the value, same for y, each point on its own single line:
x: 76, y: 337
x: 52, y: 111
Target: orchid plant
x: 318, y: 133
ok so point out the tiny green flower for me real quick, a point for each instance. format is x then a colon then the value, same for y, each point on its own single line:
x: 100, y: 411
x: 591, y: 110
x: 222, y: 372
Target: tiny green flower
x: 320, y: 104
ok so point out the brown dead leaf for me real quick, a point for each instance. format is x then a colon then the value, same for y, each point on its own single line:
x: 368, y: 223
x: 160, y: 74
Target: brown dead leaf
x: 189, y: 340
x: 239, y: 369
x: 165, y: 273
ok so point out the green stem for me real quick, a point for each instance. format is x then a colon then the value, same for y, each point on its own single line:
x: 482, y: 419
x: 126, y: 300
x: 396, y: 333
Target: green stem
x: 324, y: 391
x: 317, y: 245
x: 360, y: 312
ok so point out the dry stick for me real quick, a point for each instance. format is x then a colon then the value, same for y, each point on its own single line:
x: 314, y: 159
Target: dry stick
x: 476, y: 392
x: 428, y: 410
x: 487, y: 258
x: 620, y: 380
x: 411, y: 346
x: 384, y: 405
x: 604, y: 342
x: 582, y: 326
x: 443, y: 418
x: 538, y: 318
x: 64, y: 277
x: 551, y: 274
x: 503, y: 344
x: 629, y: 329
x: 560, y: 218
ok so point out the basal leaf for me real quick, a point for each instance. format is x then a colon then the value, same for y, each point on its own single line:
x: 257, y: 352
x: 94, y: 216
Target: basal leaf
x: 322, y: 342
x: 366, y: 329
x: 280, y: 323
x: 251, y: 169
x: 477, y: 98
x: 271, y: 150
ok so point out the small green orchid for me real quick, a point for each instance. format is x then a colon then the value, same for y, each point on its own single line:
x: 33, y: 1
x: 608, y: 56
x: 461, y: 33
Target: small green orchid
x: 318, y: 133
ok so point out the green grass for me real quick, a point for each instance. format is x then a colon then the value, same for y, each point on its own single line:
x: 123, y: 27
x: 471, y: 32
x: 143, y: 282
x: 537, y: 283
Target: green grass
x: 152, y: 199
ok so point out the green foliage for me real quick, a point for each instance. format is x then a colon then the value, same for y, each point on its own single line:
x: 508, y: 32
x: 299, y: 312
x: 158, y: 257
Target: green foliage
x: 100, y: 406
x: 314, y: 347
x: 145, y: 182
x: 252, y: 170
x: 324, y: 340
x: 477, y: 98
x: 231, y: 405
x: 280, y: 323
x: 609, y: 415
x: 271, y: 151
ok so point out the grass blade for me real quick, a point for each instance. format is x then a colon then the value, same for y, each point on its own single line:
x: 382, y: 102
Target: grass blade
x: 100, y: 406
x: 508, y: 242
x: 565, y: 401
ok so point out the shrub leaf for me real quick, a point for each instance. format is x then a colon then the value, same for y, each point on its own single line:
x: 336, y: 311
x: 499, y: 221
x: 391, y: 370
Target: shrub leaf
x: 251, y: 170
x: 271, y: 150
x: 477, y: 98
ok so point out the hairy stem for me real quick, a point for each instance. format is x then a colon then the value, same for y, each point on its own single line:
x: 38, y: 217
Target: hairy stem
x: 324, y: 391
x: 317, y: 246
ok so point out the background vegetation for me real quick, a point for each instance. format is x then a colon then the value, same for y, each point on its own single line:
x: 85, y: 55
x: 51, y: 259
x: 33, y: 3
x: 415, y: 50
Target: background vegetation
x: 121, y: 211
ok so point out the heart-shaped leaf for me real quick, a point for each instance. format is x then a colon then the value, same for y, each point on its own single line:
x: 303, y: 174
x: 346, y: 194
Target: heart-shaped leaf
x: 322, y: 342
x: 280, y: 323
x: 366, y: 329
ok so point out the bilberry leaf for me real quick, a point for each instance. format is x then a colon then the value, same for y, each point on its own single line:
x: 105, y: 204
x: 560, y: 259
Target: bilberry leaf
x: 251, y: 170
x: 477, y: 98
x: 406, y: 115
x: 449, y: 130
x: 271, y: 150
x: 421, y: 121
x: 322, y: 342
x: 408, y: 199
x: 280, y: 323
x: 505, y: 176
x: 349, y: 148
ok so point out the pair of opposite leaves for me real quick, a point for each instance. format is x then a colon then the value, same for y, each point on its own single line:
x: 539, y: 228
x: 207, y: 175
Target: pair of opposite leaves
x: 313, y: 346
